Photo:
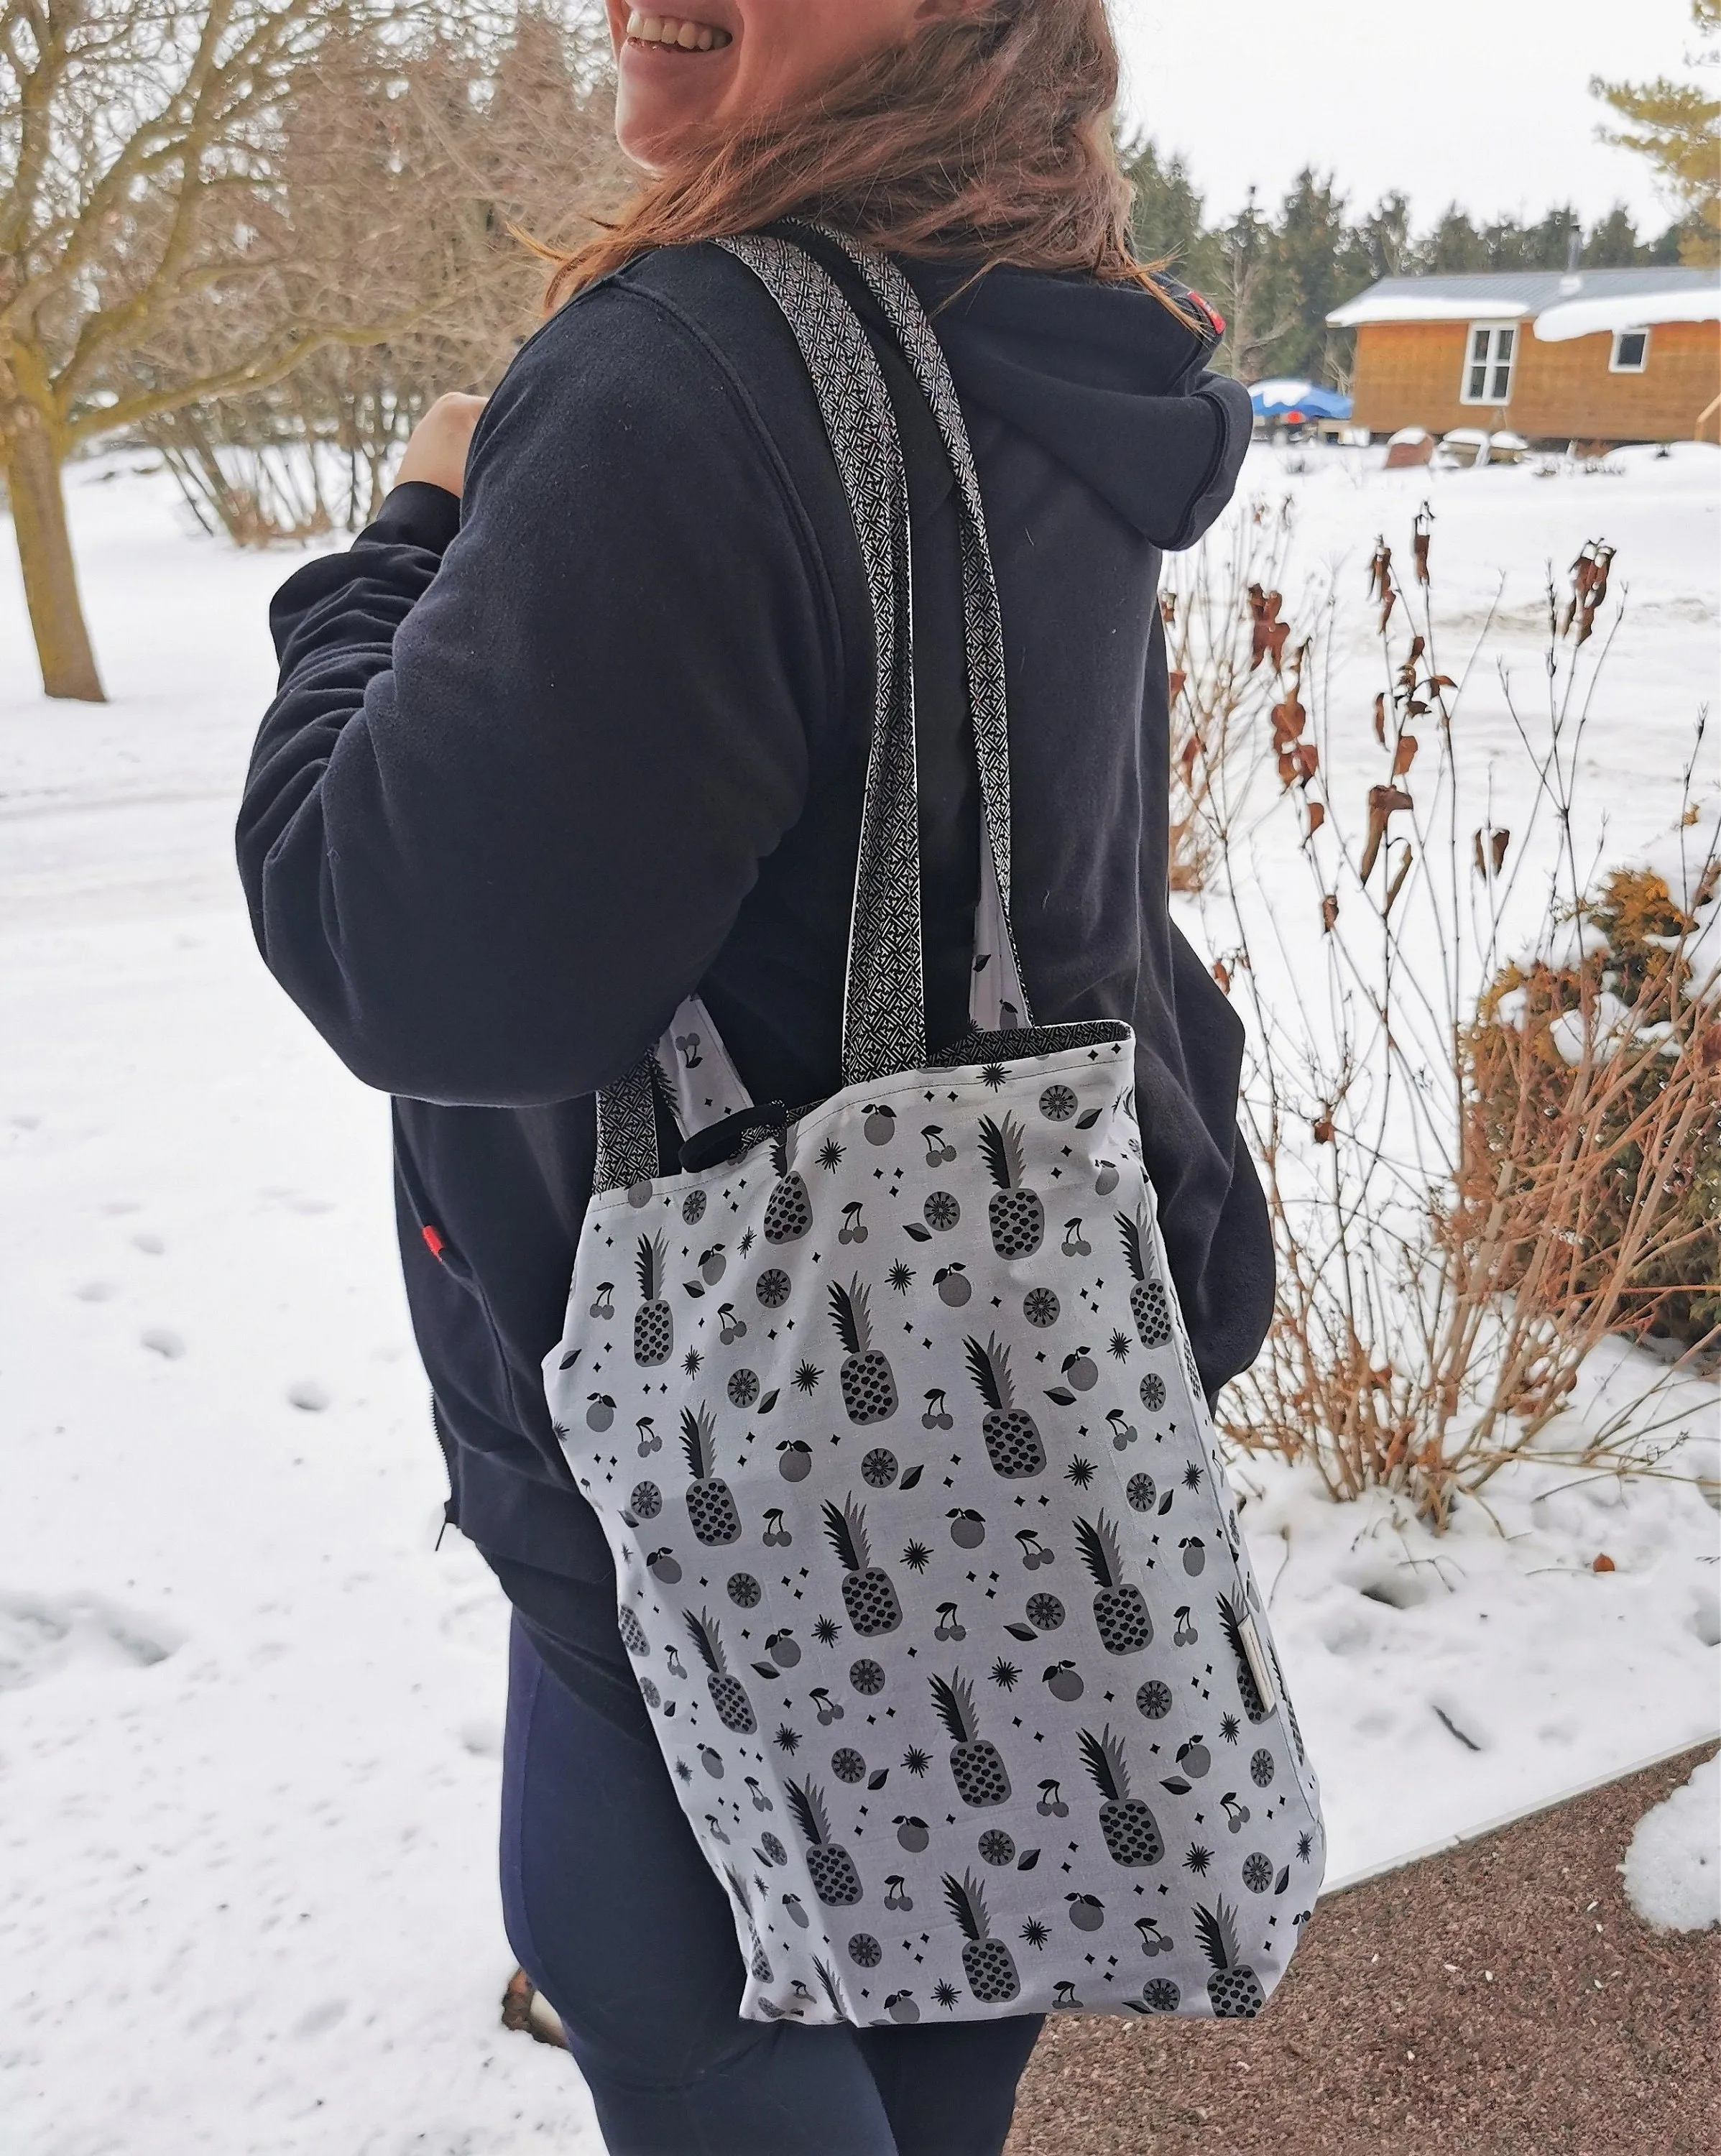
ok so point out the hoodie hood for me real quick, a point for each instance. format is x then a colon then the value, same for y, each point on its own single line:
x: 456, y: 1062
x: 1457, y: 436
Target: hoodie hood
x: 1106, y: 379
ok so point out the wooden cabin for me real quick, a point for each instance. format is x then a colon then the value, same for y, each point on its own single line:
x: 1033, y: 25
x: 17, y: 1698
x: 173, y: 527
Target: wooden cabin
x: 1591, y: 356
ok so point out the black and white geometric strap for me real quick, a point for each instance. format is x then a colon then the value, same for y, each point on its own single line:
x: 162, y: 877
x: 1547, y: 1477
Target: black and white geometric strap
x: 884, y: 1001
x: 988, y: 694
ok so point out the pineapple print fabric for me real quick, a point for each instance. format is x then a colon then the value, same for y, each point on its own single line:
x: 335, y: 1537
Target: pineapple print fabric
x: 928, y: 1568
x: 927, y: 1562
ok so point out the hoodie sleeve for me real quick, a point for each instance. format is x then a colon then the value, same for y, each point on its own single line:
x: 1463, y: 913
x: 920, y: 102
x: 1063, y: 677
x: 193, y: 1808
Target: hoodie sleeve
x: 527, y: 751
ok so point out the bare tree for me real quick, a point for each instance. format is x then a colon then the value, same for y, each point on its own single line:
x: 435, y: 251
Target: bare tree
x: 405, y: 176
x: 152, y: 252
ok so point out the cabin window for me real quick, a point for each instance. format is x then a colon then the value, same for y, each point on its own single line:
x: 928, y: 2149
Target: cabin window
x: 1631, y: 351
x: 1488, y: 366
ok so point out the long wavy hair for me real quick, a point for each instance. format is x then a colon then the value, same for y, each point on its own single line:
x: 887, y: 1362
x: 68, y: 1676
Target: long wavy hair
x: 988, y: 136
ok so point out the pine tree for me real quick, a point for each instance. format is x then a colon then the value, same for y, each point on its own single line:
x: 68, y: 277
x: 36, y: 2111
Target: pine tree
x: 1677, y: 128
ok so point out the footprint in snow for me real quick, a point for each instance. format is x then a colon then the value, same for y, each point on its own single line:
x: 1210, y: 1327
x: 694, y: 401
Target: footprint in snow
x: 96, y: 1292
x: 310, y: 1396
x: 151, y: 1246
x: 41, y: 1634
x: 163, y: 1340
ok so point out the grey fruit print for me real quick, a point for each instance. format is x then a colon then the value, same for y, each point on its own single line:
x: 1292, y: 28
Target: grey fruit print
x: 709, y: 1506
x: 900, y: 2007
x: 792, y: 1905
x: 1231, y: 1624
x: 1064, y: 1682
x: 745, y: 1591
x: 1257, y: 1872
x: 1141, y: 1492
x: 1148, y: 1304
x: 1087, y: 1912
x: 941, y: 1212
x: 1153, y: 1392
x: 784, y: 1650
x: 1261, y: 1768
x: 1045, y: 1611
x: 868, y: 1384
x: 773, y: 1287
x: 1160, y: 1996
x: 743, y: 1389
x: 867, y: 1595
x: 1106, y: 1180
x: 1132, y: 1833
x: 939, y: 1151
x: 1040, y: 1307
x: 967, y: 1529
x: 1154, y: 1700
x: 665, y: 1567
x: 1081, y: 1371
x: 986, y: 1962
x: 864, y: 1951
x: 728, y: 1695
x: 913, y: 1834
x: 759, y: 1962
x: 1233, y: 1989
x: 954, y: 1286
x: 976, y: 1766
x: 878, y: 1469
x: 847, y: 1765
x: 600, y: 1412
x: 997, y: 1847
x: 653, y: 1323
x: 1012, y: 1438
x: 879, y: 1127
x: 693, y: 1207
x: 829, y: 1865
x: 633, y: 1631
x: 647, y: 1500
x: 868, y: 1677
x: 794, y: 1460
x: 1057, y: 1104
x: 713, y: 1264
x: 1195, y: 1555
x: 1121, y: 1613
x: 1014, y: 1213
x: 788, y: 1212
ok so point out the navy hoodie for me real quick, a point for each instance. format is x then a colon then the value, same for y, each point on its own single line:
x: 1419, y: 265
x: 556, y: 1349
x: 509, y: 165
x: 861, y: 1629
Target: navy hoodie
x: 544, y: 761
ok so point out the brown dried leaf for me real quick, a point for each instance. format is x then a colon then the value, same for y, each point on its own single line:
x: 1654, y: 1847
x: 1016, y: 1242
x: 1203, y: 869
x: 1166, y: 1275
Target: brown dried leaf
x: 1328, y: 913
x: 1175, y: 682
x: 1317, y: 817
x: 1404, y: 755
x: 1380, y: 719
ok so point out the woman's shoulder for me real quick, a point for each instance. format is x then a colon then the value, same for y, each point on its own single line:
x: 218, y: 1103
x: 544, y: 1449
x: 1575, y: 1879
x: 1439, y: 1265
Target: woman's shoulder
x: 687, y: 323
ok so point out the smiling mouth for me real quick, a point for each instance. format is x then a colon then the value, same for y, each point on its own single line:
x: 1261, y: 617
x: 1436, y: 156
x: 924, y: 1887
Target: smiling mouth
x: 675, y: 32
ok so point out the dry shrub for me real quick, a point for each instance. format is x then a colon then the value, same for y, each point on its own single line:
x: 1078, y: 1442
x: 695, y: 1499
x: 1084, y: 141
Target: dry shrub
x: 1475, y: 1174
x: 1220, y: 609
x: 1593, y: 1089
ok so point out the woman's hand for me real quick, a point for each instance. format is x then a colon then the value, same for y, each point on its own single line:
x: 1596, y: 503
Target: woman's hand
x: 436, y: 452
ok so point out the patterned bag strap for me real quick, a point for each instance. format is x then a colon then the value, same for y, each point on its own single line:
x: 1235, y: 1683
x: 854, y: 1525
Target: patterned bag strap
x: 884, y: 998
x: 885, y: 1017
x: 983, y: 615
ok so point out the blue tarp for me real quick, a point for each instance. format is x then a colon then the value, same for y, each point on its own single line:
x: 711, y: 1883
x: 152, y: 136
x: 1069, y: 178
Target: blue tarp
x: 1292, y: 401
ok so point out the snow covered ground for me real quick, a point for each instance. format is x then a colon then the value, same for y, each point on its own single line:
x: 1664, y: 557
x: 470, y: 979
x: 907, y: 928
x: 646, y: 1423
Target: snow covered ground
x: 249, y: 1716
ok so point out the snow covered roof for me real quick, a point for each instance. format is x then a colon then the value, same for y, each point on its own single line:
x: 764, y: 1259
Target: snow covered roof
x: 1583, y: 317
x: 1510, y: 294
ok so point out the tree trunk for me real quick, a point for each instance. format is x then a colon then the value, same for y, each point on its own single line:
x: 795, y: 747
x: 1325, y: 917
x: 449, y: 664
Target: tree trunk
x: 45, y: 553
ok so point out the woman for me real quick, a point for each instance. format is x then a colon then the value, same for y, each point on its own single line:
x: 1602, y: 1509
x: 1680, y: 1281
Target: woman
x: 578, y: 728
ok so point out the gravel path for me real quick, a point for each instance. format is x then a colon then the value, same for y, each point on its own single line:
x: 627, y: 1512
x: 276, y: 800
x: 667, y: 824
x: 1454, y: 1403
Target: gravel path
x: 1503, y: 2000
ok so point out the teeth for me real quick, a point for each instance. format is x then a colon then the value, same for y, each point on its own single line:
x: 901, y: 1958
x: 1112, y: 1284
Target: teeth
x: 674, y: 30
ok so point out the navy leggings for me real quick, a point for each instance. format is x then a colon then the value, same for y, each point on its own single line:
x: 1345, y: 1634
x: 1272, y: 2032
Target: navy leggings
x: 615, y: 1918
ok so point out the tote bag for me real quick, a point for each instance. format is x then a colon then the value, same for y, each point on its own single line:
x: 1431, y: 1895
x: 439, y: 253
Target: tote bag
x: 927, y: 1561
